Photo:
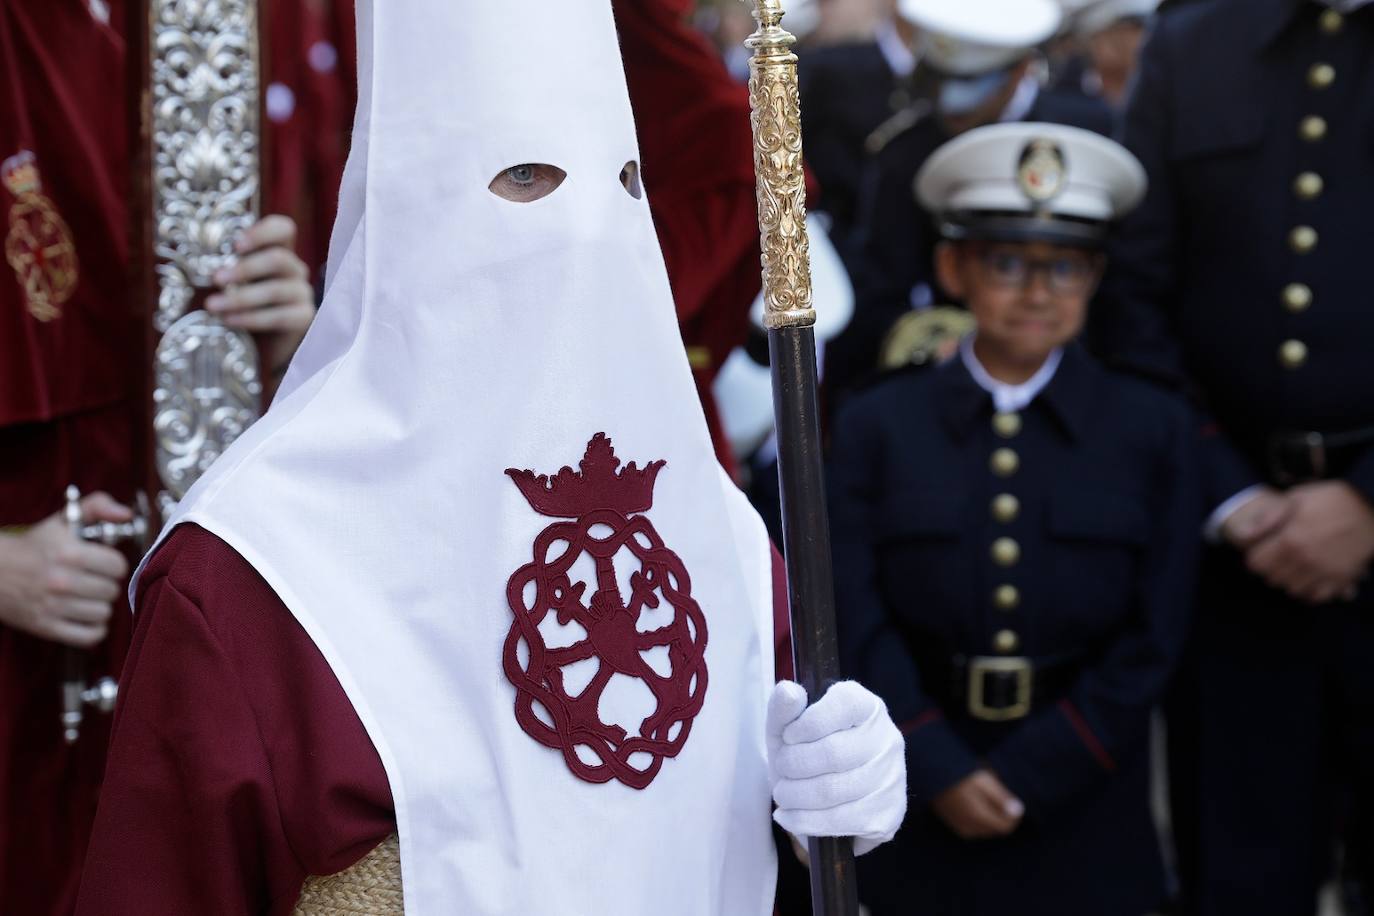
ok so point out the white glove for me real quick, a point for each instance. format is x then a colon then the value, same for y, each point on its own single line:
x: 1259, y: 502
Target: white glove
x: 837, y: 768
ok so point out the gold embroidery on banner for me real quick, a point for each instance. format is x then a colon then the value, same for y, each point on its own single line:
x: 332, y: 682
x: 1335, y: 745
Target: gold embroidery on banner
x: 39, y: 244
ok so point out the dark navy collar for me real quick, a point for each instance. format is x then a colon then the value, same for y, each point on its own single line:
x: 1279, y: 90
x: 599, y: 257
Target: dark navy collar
x: 964, y: 405
x: 1271, y: 17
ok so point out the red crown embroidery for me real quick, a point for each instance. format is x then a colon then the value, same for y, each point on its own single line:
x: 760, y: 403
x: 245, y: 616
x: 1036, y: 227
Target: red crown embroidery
x: 598, y: 485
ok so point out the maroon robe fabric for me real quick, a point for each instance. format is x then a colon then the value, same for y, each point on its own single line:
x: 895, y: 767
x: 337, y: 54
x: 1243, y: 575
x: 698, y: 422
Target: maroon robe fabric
x: 698, y: 170
x: 237, y: 765
x: 67, y: 333
x: 312, y: 76
x: 70, y: 373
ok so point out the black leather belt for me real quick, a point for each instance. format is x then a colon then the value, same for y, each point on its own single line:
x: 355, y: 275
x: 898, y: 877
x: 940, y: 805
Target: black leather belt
x: 1296, y: 458
x: 999, y: 688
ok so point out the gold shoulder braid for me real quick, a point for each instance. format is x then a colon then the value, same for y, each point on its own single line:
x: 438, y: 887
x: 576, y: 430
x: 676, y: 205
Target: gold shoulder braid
x: 925, y: 337
x: 370, y: 888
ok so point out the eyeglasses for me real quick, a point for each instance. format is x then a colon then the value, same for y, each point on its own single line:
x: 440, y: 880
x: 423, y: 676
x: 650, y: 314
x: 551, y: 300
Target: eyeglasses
x: 1065, y: 275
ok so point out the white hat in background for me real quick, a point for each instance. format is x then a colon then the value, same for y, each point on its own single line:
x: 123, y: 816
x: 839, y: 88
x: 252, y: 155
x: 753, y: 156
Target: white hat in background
x: 972, y: 37
x: 1104, y: 14
x: 1030, y: 182
x: 1070, y: 10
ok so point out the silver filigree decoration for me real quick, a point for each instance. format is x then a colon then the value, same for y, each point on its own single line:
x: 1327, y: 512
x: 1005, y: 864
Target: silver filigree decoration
x: 205, y: 129
x: 206, y: 162
x: 206, y: 392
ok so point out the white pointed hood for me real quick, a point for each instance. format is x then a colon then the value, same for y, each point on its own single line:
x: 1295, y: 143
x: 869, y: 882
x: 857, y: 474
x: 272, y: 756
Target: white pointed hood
x: 565, y: 677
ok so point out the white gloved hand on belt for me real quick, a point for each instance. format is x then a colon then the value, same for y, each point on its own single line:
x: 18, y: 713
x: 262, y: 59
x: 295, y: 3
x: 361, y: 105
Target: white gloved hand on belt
x: 837, y: 768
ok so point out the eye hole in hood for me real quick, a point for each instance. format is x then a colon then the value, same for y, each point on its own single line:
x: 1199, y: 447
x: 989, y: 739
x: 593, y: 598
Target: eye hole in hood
x: 526, y: 183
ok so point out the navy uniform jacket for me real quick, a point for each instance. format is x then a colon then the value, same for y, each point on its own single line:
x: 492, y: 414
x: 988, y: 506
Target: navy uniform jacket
x: 1246, y: 273
x: 1105, y: 530
x: 892, y: 251
x: 1247, y: 268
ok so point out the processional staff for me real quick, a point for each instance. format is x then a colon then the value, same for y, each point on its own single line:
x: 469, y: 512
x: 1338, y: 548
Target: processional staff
x: 790, y: 320
x: 195, y: 75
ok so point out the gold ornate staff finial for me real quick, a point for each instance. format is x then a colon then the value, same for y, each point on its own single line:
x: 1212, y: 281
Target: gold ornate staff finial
x: 776, y: 119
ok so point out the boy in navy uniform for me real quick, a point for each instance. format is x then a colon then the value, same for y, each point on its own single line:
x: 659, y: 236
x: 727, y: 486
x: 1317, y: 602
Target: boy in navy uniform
x: 978, y: 62
x: 1016, y: 535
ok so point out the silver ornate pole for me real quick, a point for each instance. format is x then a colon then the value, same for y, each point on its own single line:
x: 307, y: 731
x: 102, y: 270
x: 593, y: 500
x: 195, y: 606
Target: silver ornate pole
x: 204, y: 136
x: 195, y: 73
x: 790, y: 319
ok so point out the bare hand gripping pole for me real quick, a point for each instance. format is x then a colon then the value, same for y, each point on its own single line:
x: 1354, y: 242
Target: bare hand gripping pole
x: 76, y: 693
x: 790, y: 320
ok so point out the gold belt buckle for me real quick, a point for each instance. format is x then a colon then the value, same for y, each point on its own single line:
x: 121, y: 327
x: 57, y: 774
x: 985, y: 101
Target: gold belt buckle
x: 979, y: 668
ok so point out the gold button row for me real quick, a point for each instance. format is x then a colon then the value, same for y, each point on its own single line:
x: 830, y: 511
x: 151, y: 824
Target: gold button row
x: 1332, y: 22
x: 1006, y: 552
x: 1006, y: 642
x: 1321, y: 76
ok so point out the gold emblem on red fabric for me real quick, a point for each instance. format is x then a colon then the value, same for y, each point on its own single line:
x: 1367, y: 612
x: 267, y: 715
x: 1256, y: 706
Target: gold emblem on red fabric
x: 1042, y: 172
x: 39, y: 245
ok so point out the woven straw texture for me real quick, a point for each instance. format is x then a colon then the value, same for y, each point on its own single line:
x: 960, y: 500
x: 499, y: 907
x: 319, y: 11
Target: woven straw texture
x: 370, y: 888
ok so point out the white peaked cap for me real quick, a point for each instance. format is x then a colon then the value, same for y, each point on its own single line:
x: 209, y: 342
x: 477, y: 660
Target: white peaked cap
x: 1070, y: 10
x: 803, y: 16
x: 562, y: 656
x: 970, y: 37
x: 1064, y: 177
x: 1105, y: 13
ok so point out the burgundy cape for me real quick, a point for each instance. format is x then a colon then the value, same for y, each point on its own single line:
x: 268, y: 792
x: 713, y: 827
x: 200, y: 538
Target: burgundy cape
x: 66, y: 386
x: 237, y: 766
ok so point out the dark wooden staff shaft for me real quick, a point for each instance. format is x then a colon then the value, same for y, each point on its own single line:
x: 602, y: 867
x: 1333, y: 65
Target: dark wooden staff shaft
x: 790, y: 319
x: 810, y: 582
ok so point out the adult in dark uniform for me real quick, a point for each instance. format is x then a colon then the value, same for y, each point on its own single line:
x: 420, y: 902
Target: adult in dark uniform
x: 847, y: 91
x: 1112, y: 33
x: 982, y: 54
x: 1246, y: 272
x: 1015, y: 543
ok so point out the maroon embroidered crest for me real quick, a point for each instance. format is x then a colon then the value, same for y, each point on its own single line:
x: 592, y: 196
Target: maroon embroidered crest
x: 602, y: 511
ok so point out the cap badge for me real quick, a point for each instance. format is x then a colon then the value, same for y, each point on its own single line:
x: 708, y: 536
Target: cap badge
x: 1042, y: 172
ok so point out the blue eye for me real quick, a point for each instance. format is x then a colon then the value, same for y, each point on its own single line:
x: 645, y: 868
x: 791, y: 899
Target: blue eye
x: 527, y: 182
x: 1007, y: 264
x: 1068, y: 268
